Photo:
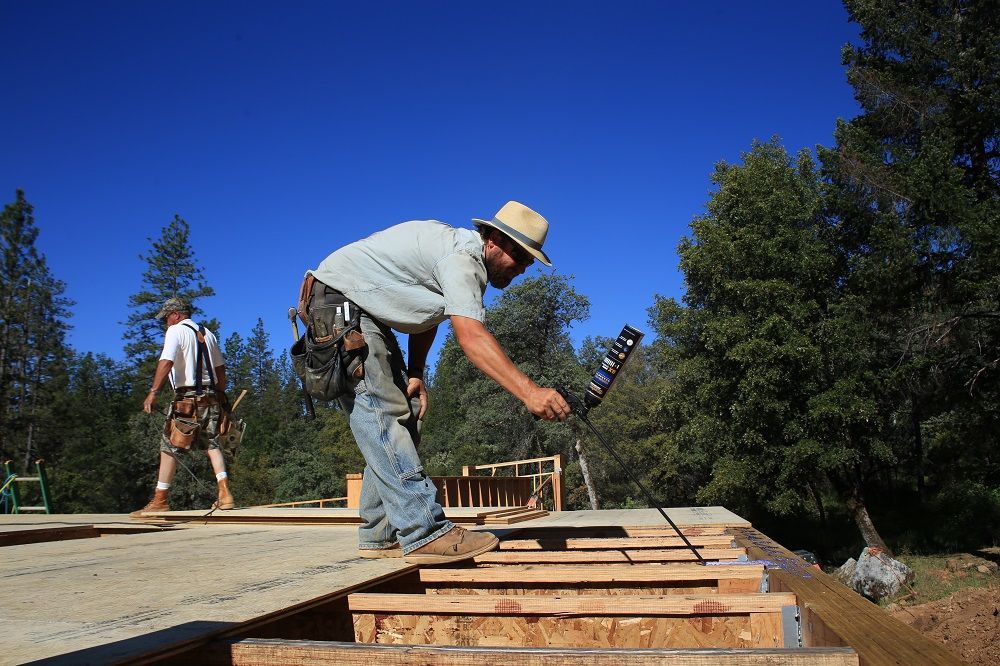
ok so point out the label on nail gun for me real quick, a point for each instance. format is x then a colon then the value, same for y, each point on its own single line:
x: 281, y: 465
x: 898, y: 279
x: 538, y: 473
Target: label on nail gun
x: 605, y: 376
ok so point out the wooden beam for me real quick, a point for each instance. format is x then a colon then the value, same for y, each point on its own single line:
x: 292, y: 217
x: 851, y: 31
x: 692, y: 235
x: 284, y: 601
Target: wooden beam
x: 612, y: 573
x: 587, y: 556
x: 613, y: 531
x: 276, y: 652
x: 720, y: 541
x: 833, y: 613
x: 589, y: 606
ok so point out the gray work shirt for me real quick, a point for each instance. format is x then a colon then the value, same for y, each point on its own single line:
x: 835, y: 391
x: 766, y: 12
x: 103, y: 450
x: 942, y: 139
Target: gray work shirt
x: 412, y: 276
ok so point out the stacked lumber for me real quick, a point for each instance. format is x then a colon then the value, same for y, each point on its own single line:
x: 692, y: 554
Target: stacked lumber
x: 569, y: 589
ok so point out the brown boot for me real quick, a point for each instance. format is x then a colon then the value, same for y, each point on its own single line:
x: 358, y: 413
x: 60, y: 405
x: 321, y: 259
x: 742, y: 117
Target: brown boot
x: 455, y: 545
x: 158, y: 503
x: 225, y: 500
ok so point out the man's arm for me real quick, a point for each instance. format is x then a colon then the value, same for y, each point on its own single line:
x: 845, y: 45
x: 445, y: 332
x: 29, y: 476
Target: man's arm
x: 418, y: 345
x: 220, y: 378
x: 485, y: 353
x: 163, y: 369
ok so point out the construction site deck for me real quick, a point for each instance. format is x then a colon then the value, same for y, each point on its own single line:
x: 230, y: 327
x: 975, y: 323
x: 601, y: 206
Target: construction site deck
x: 286, y: 585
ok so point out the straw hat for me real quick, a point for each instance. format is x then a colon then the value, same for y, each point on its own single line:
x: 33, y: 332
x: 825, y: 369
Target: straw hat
x: 523, y: 225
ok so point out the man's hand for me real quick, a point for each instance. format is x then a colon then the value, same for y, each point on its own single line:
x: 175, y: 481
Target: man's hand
x: 546, y: 403
x: 147, y: 404
x: 416, y: 387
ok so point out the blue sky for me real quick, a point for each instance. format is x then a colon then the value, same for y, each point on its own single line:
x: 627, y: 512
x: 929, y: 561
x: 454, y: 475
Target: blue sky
x: 282, y: 130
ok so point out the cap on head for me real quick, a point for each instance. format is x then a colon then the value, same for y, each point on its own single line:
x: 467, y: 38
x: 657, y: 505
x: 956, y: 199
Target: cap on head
x: 173, y: 304
x: 523, y: 226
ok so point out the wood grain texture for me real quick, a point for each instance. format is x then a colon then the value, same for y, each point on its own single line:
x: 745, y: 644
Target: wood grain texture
x: 274, y: 652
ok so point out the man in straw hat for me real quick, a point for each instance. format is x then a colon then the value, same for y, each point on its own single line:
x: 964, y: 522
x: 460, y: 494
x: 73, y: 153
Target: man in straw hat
x: 410, y: 278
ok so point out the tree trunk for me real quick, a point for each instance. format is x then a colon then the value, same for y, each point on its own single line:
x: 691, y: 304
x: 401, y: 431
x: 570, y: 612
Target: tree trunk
x: 859, y: 512
x: 819, y: 503
x: 591, y: 491
x: 851, y: 490
x: 918, y: 455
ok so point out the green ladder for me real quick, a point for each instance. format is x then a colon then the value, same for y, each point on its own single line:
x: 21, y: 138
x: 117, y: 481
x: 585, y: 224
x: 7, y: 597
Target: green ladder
x: 13, y: 479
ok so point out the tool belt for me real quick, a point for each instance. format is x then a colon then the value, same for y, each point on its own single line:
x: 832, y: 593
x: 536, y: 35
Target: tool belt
x: 331, y: 353
x: 184, y: 422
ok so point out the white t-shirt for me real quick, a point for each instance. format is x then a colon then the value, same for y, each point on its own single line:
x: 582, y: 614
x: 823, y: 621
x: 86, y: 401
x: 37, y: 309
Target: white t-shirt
x: 180, y: 345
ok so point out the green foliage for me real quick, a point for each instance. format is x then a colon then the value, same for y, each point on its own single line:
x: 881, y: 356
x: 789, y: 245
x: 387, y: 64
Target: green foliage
x: 33, y: 352
x: 472, y: 419
x: 744, y: 353
x: 913, y: 184
x: 171, y: 270
x: 93, y: 472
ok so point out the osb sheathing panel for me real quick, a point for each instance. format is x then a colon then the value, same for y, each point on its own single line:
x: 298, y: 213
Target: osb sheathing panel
x: 527, y: 631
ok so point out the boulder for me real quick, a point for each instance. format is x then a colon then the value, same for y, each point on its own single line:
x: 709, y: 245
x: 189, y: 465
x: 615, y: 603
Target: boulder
x: 878, y: 576
x: 845, y: 573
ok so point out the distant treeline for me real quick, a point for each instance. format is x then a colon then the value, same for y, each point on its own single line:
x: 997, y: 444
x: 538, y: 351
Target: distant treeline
x: 833, y: 361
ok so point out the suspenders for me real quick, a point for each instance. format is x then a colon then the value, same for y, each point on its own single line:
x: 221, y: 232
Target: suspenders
x: 202, y: 357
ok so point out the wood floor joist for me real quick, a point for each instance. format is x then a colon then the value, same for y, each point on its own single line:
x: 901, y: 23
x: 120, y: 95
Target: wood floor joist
x: 716, y: 604
x: 731, y: 620
x: 597, y: 556
x: 631, y: 543
x: 276, y: 652
x: 656, y: 573
x: 833, y: 614
x: 613, y: 531
x: 69, y: 532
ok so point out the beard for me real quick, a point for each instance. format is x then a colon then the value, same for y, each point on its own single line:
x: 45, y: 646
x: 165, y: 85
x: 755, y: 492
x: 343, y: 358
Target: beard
x: 498, y: 279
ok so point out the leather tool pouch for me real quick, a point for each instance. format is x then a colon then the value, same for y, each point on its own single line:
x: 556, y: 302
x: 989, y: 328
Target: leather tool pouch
x: 331, y: 354
x: 182, y: 426
x: 225, y: 409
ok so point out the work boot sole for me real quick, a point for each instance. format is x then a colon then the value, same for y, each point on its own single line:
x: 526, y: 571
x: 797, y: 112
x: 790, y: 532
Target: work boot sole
x: 380, y: 553
x: 141, y: 512
x: 442, y: 559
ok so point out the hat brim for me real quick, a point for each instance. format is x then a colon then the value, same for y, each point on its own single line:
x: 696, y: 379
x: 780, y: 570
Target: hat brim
x: 537, y: 254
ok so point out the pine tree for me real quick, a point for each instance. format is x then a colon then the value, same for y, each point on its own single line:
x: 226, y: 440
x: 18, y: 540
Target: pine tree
x: 33, y: 326
x: 171, y: 270
x: 915, y: 180
x: 745, y: 353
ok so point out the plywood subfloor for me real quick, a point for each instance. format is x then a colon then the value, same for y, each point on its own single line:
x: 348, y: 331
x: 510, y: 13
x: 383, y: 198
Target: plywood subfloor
x: 124, y: 594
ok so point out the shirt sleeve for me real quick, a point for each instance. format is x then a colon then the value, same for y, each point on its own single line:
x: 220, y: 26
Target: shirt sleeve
x: 171, y: 345
x: 462, y: 278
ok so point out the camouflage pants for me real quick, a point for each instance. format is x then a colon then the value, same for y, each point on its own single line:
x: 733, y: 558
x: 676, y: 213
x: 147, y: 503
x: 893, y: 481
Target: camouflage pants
x: 194, y: 421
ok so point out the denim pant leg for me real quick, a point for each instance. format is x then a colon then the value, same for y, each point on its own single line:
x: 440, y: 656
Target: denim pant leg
x: 398, y: 500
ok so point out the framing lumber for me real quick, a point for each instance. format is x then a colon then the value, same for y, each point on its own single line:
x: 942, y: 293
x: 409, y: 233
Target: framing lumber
x: 276, y: 652
x: 68, y: 532
x: 611, y: 532
x: 832, y: 614
x: 596, y: 556
x: 728, y: 621
x: 625, y: 543
x: 655, y: 573
x: 589, y: 606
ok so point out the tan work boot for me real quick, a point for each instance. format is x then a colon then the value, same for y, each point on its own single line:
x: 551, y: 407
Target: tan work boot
x: 455, y: 545
x: 225, y: 500
x: 158, y: 503
x: 376, y: 553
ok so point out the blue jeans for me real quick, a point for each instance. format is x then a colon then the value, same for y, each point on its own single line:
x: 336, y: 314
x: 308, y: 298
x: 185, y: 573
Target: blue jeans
x: 398, y: 500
